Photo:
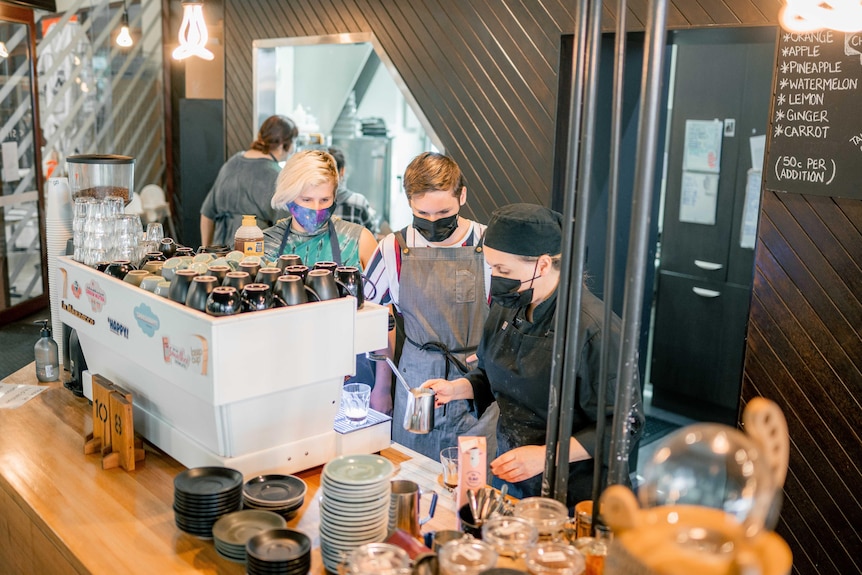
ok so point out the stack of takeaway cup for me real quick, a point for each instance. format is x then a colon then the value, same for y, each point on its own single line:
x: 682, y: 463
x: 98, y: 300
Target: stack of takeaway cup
x: 58, y: 230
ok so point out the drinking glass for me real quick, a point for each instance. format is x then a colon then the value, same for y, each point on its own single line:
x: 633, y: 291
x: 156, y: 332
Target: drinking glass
x: 354, y: 402
x: 155, y: 232
x: 449, y: 459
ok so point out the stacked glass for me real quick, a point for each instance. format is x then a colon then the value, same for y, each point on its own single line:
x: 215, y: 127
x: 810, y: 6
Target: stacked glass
x: 102, y: 232
x: 129, y: 243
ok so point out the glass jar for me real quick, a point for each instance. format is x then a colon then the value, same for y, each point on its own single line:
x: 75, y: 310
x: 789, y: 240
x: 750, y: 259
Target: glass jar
x: 547, y: 515
x: 549, y: 558
x: 378, y: 559
x: 595, y: 549
x: 510, y: 536
x: 466, y: 557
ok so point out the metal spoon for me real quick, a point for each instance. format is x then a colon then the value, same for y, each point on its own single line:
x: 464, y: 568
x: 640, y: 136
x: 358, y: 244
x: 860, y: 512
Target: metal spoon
x: 500, y: 502
x: 474, y: 506
x: 380, y: 357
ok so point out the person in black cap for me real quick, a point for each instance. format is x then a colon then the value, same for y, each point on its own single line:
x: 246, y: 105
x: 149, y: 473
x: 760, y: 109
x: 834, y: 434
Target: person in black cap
x: 522, y: 246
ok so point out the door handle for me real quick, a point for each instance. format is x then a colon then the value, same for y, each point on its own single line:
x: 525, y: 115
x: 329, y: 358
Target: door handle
x: 705, y: 292
x: 704, y: 265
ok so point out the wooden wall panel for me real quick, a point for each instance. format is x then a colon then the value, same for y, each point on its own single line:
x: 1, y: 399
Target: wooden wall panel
x: 804, y: 351
x: 484, y: 72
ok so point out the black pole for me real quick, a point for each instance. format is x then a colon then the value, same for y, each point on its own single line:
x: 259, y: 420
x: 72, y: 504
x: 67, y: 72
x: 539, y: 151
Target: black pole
x: 578, y: 251
x: 648, y: 127
x: 610, y: 250
x: 562, y: 319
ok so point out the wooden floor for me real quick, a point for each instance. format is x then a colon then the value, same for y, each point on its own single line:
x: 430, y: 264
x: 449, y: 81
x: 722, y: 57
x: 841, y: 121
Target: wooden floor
x: 17, y: 339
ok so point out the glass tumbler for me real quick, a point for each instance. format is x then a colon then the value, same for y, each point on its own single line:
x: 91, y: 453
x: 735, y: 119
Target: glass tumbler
x: 355, y: 398
x: 155, y: 232
x: 449, y: 460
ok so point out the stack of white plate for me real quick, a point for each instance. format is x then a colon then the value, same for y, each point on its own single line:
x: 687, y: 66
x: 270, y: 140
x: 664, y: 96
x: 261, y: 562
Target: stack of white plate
x: 232, y: 531
x: 58, y: 230
x: 354, y: 505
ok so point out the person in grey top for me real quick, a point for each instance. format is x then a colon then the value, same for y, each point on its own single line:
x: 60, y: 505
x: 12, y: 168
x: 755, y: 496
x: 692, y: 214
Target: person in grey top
x: 246, y: 183
x: 349, y: 205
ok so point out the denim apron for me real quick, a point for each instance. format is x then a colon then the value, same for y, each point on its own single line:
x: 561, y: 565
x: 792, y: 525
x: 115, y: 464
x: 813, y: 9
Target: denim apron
x: 443, y: 302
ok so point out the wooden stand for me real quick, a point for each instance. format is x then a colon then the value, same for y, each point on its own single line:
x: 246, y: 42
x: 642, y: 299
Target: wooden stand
x: 113, y: 433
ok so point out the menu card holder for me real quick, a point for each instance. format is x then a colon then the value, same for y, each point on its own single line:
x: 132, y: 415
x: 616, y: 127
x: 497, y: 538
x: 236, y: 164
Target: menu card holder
x: 113, y: 433
x: 99, y: 440
x: 123, y: 450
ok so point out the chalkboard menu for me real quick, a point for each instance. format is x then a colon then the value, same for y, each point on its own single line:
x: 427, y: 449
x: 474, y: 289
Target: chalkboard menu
x: 815, y: 136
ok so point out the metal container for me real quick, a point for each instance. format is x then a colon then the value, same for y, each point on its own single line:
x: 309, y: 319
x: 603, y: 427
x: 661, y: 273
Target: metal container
x: 419, y: 415
x: 101, y: 175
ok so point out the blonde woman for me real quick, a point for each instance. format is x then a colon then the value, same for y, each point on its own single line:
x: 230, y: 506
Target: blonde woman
x: 306, y: 188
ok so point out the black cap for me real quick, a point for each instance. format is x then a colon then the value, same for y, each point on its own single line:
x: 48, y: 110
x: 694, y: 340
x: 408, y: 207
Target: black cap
x: 525, y: 230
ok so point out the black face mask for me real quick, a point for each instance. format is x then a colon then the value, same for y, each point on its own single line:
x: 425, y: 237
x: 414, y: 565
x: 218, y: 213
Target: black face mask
x: 438, y: 230
x: 504, y: 291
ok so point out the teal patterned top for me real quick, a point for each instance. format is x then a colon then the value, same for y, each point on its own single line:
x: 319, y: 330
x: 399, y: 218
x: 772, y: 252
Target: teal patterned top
x: 315, y: 247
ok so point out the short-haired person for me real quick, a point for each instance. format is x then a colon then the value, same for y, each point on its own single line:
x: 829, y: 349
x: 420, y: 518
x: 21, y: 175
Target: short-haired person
x: 349, y: 205
x: 522, y: 246
x: 306, y: 188
x: 434, y: 273
x: 246, y: 182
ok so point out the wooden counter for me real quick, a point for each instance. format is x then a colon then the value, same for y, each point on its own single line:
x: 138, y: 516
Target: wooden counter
x: 60, y: 512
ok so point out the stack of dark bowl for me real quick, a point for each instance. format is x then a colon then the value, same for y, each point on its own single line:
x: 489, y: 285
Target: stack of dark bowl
x: 202, y: 495
x: 282, y: 494
x: 278, y: 552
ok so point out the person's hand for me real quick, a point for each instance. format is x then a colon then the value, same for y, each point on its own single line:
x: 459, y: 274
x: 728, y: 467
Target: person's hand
x: 520, y: 463
x: 446, y: 391
x: 381, y: 401
x: 472, y: 358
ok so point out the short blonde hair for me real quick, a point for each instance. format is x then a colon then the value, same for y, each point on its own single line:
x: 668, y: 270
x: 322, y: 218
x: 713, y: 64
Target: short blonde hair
x: 304, y: 169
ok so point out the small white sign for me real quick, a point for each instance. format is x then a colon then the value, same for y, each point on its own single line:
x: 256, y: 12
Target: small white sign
x: 702, y: 151
x: 14, y: 395
x: 699, y: 198
x: 751, y: 210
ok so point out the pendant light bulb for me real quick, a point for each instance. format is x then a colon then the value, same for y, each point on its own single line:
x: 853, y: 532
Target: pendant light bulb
x: 193, y: 33
x: 4, y: 53
x: 124, y: 38
x: 803, y: 16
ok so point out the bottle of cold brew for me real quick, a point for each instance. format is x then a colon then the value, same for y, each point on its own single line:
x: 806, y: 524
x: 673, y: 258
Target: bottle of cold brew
x: 249, y: 237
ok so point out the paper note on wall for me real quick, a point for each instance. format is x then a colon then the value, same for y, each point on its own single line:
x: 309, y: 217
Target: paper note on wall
x: 751, y: 209
x: 699, y: 198
x: 758, y: 146
x: 702, y: 150
x: 10, y: 162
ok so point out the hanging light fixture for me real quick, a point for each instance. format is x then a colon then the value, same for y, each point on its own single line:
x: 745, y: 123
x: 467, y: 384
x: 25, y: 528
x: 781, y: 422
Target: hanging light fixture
x: 803, y: 16
x: 193, y: 33
x: 124, y: 38
x: 4, y: 53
